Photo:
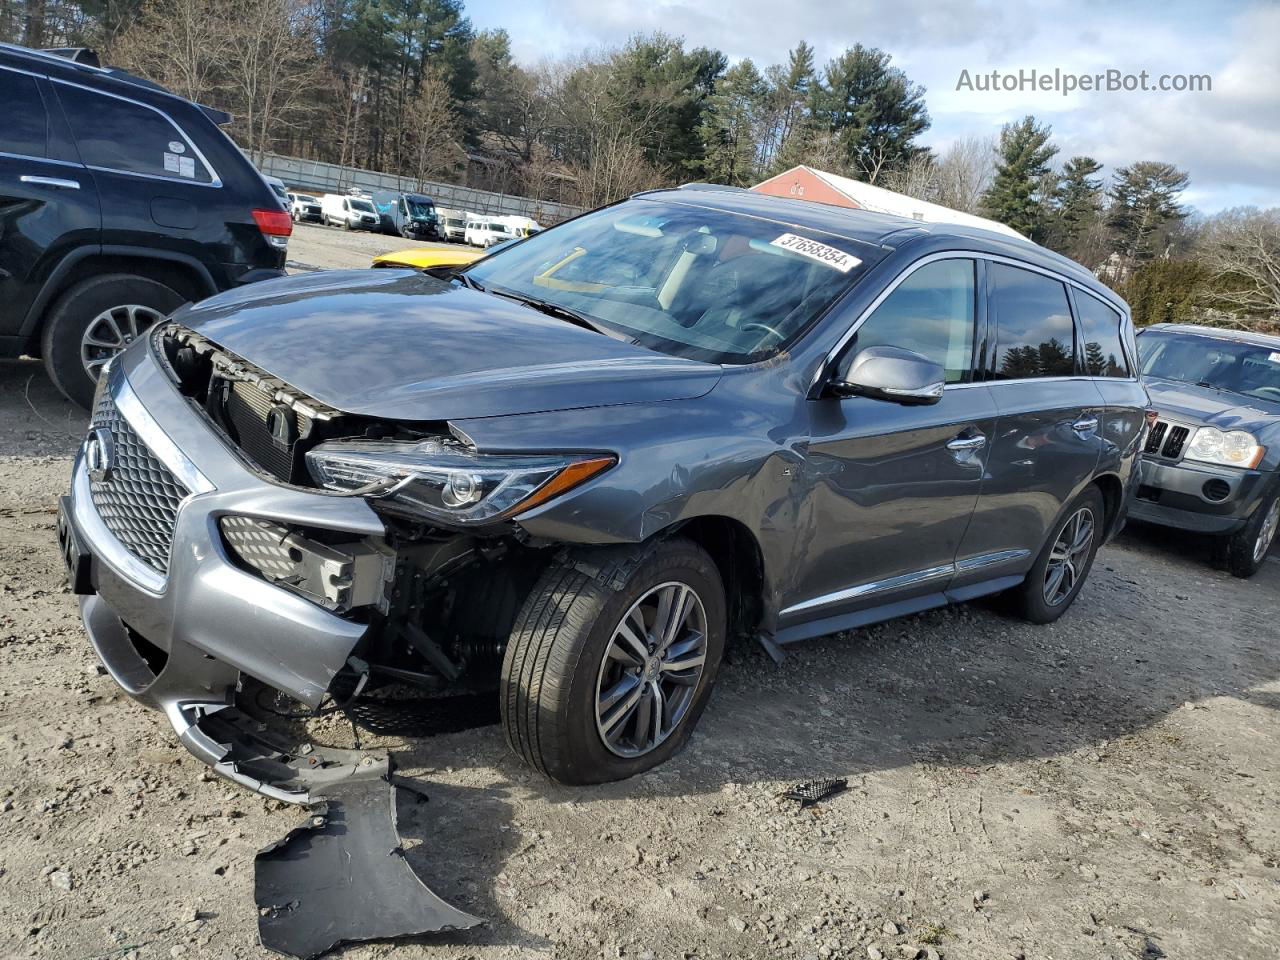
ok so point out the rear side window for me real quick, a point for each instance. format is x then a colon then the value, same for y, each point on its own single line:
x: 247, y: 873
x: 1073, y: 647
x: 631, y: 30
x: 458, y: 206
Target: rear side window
x: 930, y: 312
x: 1103, y: 345
x: 129, y: 137
x: 25, y: 126
x: 1035, y: 336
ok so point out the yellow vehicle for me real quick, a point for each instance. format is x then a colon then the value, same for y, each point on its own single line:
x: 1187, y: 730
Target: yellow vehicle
x: 429, y: 258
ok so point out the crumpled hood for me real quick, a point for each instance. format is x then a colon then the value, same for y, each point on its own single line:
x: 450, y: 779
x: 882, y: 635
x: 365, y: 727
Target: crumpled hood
x: 405, y: 346
x: 1215, y: 408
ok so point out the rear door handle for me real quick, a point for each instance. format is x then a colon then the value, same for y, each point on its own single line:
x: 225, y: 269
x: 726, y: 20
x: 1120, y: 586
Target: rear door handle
x: 963, y: 444
x: 1085, y: 426
x: 56, y: 183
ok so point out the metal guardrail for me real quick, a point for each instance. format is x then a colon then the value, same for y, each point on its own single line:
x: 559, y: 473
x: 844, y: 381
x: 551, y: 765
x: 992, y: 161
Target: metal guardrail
x: 332, y: 178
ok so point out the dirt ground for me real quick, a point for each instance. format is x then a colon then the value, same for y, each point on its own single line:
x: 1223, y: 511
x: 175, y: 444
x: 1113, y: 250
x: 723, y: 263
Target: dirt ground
x: 1106, y: 787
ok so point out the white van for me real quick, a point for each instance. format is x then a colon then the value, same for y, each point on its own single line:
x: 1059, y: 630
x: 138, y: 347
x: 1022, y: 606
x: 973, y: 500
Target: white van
x: 350, y: 213
x: 486, y: 231
x: 522, y: 226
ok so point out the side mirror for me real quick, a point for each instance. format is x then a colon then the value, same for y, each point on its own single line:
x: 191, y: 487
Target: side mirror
x: 890, y: 373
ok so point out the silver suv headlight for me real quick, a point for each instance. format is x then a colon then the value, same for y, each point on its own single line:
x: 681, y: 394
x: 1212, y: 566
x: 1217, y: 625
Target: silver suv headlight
x: 1232, y: 448
x: 446, y: 481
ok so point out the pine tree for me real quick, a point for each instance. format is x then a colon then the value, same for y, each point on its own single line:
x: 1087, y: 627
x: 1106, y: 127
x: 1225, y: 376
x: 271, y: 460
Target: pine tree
x: 1016, y: 196
x: 1079, y: 198
x: 1144, y: 201
x: 731, y: 124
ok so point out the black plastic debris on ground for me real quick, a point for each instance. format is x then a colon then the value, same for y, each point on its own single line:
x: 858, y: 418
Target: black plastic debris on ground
x: 342, y: 877
x: 814, y: 791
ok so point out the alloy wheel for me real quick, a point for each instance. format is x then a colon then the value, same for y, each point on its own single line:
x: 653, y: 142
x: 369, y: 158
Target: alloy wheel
x: 651, y: 669
x: 1267, y: 534
x: 111, y: 331
x: 1068, y: 556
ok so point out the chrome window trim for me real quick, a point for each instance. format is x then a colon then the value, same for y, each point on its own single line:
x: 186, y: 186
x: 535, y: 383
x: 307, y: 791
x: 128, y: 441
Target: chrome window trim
x: 960, y: 254
x: 60, y: 163
x: 926, y: 575
x: 29, y: 73
x: 214, y: 180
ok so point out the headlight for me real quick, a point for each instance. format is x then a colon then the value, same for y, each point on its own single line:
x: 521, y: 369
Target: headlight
x: 447, y: 481
x: 1234, y: 448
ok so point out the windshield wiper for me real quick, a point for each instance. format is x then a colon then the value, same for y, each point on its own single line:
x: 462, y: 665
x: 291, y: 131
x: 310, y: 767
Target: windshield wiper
x: 466, y: 281
x: 1213, y: 386
x: 555, y: 310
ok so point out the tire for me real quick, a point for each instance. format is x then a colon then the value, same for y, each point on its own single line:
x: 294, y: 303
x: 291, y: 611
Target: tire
x: 346, y: 224
x: 555, y: 666
x: 1246, y: 550
x: 115, y: 302
x: 1030, y: 599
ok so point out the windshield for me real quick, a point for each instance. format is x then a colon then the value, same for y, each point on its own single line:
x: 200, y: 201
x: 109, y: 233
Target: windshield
x: 362, y: 205
x: 686, y: 280
x: 420, y: 209
x: 1243, y: 368
x: 278, y: 190
x: 302, y: 197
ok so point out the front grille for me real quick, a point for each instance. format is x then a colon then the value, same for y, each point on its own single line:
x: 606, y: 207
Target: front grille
x: 138, y: 499
x: 1166, y: 440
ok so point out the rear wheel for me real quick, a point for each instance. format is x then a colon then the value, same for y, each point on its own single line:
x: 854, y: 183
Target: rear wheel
x: 1064, y: 563
x: 607, y: 671
x: 1247, y: 549
x: 95, y: 320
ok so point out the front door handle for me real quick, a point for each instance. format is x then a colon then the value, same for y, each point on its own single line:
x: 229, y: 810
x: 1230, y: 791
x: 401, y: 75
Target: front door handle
x: 967, y: 444
x: 56, y: 182
x: 1085, y: 427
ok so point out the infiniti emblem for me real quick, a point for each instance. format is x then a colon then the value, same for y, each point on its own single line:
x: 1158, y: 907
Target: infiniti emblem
x: 100, y: 454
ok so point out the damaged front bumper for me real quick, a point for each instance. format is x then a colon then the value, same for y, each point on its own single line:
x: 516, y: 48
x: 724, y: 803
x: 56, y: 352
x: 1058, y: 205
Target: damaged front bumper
x: 176, y: 620
x: 172, y: 614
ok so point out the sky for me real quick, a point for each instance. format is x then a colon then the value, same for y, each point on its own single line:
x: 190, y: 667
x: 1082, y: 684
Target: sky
x: 1226, y: 138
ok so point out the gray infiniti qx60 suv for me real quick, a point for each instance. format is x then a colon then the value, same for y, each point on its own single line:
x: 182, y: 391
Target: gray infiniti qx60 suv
x: 568, y: 475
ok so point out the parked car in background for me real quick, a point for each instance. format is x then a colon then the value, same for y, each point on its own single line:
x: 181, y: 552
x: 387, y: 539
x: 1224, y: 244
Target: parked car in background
x: 486, y: 231
x: 410, y: 215
x: 279, y: 189
x: 1211, y: 462
x: 304, y: 207
x: 453, y: 224
x: 119, y: 201
x: 350, y: 213
x: 522, y: 226
x: 429, y: 258
x: 570, y: 474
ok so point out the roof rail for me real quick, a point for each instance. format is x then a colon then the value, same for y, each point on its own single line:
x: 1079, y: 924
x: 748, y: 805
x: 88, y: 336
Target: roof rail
x: 81, y: 55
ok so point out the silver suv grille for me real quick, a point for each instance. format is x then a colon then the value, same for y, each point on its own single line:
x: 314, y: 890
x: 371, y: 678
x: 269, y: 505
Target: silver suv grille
x: 138, y: 501
x: 1166, y: 440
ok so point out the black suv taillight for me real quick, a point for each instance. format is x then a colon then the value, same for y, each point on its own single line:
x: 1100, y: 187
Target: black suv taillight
x: 276, y: 226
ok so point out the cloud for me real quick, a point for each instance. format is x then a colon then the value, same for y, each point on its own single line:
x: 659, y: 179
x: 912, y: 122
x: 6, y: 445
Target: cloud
x: 1227, y: 139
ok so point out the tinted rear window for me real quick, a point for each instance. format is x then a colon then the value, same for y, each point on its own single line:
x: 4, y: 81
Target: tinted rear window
x: 25, y: 127
x: 129, y: 137
x: 1035, y: 336
x: 1103, y: 345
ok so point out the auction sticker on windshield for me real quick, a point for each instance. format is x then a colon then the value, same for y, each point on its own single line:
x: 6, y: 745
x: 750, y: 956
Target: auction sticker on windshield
x: 829, y: 256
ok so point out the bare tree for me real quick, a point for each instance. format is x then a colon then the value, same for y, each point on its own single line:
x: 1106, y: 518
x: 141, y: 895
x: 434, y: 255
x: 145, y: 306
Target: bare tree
x: 434, y: 145
x: 917, y: 178
x: 171, y: 43
x: 964, y: 172
x: 1242, y: 248
x: 271, y: 67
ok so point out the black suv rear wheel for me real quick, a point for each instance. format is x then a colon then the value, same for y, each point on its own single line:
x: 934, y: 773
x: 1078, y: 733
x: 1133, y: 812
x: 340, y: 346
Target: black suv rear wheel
x: 612, y: 659
x: 94, y: 321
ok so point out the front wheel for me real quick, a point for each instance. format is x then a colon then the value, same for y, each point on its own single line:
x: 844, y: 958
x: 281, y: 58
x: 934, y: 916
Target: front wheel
x: 1247, y: 549
x: 612, y: 659
x: 1064, y: 562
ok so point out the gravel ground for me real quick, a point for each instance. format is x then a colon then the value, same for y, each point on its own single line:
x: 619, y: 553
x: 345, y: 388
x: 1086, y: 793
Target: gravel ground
x: 1105, y: 787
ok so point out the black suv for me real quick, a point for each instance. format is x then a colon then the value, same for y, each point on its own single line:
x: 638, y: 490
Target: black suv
x: 119, y: 201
